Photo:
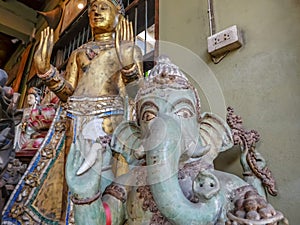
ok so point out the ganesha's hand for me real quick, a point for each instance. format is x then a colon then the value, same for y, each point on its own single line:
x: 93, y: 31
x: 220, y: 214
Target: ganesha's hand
x: 125, y: 43
x: 87, y: 184
x: 43, y: 53
x: 252, y: 160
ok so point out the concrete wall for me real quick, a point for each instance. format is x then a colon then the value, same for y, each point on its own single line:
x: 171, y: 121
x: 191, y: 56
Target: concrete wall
x: 261, y: 80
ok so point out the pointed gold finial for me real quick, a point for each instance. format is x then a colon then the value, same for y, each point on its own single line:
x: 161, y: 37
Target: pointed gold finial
x: 52, y: 17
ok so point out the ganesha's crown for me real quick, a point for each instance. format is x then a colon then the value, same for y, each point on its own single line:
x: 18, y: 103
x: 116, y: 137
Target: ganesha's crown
x: 165, y: 66
x: 165, y: 75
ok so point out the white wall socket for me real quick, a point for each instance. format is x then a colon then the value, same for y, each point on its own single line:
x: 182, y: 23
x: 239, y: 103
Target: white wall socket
x: 223, y: 41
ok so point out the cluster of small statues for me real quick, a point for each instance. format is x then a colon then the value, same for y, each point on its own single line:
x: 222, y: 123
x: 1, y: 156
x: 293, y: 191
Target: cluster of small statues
x: 21, y: 131
x: 154, y: 168
x: 8, y: 101
x: 35, y: 123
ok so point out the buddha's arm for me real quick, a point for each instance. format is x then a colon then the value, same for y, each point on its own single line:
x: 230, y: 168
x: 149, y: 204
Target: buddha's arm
x: 136, y: 70
x: 63, y: 87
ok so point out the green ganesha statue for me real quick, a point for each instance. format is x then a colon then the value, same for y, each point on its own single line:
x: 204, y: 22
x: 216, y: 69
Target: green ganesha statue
x: 170, y: 147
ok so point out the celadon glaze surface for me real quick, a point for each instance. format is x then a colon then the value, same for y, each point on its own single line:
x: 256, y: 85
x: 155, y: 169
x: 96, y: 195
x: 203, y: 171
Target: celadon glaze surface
x: 170, y: 148
x: 260, y: 80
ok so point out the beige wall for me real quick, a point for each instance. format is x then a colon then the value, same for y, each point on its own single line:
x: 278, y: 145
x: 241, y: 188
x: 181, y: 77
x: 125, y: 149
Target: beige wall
x: 261, y: 80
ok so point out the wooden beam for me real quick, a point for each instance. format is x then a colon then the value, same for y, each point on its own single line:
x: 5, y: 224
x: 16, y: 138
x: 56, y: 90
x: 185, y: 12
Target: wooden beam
x: 21, y: 68
x: 132, y: 4
x: 20, y: 10
x: 15, y: 24
x: 14, y: 33
x: 17, y: 19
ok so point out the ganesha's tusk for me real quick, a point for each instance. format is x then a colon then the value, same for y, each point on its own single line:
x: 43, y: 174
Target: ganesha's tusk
x: 90, y: 159
x: 106, y: 168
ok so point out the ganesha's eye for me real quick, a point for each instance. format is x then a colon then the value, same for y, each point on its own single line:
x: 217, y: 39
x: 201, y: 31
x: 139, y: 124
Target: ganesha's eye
x: 148, y: 115
x: 185, y: 113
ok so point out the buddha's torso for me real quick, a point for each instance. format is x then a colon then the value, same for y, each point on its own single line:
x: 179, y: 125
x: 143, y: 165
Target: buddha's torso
x: 98, y: 68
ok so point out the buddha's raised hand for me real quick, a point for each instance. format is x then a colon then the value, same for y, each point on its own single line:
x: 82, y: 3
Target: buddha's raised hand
x: 43, y: 53
x: 125, y: 43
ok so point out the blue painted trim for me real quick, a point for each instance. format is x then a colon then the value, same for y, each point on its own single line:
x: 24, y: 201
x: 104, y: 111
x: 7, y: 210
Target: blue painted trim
x: 68, y: 209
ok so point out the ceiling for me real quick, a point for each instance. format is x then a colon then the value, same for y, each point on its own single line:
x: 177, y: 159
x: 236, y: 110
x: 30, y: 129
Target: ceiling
x: 17, y: 23
x: 19, y: 20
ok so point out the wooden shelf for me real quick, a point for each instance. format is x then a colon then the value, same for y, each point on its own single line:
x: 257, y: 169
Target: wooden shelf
x: 25, y: 156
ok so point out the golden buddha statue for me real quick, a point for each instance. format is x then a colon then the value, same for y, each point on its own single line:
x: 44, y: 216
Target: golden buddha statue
x: 96, y: 73
x: 92, y: 92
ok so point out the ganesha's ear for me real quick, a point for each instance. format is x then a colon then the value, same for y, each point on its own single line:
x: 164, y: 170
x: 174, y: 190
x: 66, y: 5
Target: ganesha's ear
x: 126, y: 140
x: 216, y: 133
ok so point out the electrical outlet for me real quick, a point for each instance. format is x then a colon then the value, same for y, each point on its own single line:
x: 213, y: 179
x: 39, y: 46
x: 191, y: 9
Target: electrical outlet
x: 224, y: 41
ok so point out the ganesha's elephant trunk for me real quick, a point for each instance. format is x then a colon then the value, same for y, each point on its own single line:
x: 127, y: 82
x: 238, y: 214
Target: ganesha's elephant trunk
x: 162, y: 167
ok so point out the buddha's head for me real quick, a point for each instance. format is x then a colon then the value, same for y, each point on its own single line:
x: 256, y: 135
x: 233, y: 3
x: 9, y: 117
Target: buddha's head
x: 104, y: 15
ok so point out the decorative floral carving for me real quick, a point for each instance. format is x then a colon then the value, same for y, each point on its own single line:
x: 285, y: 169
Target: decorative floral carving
x: 17, y: 210
x: 83, y: 105
x: 60, y: 126
x: 247, y: 141
x: 32, y: 180
x: 48, y: 152
x: 149, y: 204
x: 20, y: 209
